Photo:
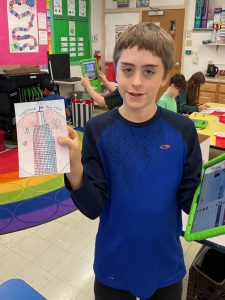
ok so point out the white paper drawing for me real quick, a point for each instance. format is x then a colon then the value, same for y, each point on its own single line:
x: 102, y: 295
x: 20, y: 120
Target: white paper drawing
x: 39, y: 124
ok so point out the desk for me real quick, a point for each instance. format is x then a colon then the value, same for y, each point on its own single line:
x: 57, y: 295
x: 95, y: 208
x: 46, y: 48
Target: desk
x: 67, y: 88
x: 76, y: 79
x: 213, y: 124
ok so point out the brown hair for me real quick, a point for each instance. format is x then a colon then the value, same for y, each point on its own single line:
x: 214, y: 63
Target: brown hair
x: 194, y: 83
x: 179, y: 81
x: 147, y: 36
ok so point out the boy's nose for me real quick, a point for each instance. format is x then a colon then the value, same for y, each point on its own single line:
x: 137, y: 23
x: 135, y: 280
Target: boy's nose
x: 137, y: 79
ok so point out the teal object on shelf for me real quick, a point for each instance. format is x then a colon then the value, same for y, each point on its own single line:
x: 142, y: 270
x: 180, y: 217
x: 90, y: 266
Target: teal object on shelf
x: 198, y: 13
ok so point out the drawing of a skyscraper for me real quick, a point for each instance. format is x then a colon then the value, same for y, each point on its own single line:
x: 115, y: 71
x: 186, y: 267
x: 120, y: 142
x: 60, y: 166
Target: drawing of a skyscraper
x: 44, y: 147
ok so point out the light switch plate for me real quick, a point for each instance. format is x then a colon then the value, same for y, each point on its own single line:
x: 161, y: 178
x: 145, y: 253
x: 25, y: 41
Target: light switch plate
x: 188, y: 43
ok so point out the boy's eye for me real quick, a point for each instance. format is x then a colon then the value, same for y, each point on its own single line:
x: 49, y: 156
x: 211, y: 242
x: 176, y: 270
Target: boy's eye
x: 127, y: 71
x: 148, y: 72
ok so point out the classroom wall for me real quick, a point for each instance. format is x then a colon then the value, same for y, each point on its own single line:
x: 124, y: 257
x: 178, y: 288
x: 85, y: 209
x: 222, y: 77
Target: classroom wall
x: 205, y: 53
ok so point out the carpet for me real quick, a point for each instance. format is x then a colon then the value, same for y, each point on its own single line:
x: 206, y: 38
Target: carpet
x: 30, y: 201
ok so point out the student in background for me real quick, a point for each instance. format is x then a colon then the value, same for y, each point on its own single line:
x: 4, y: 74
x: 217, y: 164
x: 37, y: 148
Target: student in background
x: 49, y: 93
x: 124, y: 175
x: 177, y: 85
x: 110, y: 100
x: 187, y: 102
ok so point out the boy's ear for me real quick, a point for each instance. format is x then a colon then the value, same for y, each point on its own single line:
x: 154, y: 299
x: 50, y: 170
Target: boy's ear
x: 164, y: 80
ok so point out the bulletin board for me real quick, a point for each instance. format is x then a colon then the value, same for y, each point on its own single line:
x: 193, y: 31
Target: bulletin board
x: 23, y: 32
x: 71, y: 28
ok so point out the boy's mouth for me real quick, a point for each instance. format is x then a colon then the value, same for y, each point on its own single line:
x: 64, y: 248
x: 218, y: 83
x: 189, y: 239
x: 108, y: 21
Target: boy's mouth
x: 135, y: 94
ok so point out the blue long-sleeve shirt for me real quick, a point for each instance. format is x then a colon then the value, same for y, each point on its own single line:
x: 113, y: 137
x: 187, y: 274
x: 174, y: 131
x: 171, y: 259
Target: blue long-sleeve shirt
x: 137, y: 177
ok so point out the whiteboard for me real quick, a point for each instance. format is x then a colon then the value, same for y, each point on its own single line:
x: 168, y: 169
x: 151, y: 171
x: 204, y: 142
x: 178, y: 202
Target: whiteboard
x: 114, y: 24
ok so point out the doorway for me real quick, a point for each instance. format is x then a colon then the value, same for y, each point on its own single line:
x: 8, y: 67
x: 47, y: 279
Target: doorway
x: 173, y: 22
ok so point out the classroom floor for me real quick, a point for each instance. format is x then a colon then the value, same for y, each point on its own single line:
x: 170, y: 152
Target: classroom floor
x: 56, y: 258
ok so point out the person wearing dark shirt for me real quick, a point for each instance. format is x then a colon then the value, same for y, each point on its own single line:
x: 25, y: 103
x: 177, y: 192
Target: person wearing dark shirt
x: 187, y: 102
x: 140, y: 165
x: 49, y: 93
x: 111, y: 100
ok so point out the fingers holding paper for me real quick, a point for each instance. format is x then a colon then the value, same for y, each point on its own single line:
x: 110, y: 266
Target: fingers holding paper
x: 76, y: 168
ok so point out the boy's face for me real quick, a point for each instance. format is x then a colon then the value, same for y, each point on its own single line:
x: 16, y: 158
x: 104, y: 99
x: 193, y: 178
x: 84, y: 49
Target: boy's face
x: 44, y: 92
x: 139, y: 75
x: 176, y: 91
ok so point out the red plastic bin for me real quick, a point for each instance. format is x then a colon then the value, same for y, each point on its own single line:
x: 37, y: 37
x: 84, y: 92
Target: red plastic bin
x: 221, y: 119
x: 110, y: 74
x: 220, y: 141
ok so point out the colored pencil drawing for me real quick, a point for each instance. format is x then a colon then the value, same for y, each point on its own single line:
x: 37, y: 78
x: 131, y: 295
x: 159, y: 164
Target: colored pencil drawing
x: 38, y: 126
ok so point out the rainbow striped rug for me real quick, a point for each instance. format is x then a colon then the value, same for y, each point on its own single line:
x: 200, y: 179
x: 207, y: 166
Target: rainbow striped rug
x: 31, y: 201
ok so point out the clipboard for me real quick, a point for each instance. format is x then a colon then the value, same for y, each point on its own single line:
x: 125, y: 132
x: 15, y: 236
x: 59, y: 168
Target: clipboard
x: 207, y: 214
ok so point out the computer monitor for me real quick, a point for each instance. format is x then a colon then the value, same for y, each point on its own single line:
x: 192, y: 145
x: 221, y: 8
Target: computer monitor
x: 60, y: 66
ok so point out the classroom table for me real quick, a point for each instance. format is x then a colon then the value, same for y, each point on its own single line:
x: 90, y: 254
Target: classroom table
x: 68, y: 88
x: 213, y: 125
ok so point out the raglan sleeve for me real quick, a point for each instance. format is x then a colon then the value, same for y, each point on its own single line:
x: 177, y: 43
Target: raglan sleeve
x: 162, y: 103
x: 113, y: 100
x: 192, y: 169
x: 92, y: 195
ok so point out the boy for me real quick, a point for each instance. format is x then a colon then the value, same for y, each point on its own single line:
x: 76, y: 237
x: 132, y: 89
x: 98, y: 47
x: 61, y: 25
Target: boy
x: 140, y: 165
x: 177, y: 85
x: 48, y: 90
x: 111, y: 100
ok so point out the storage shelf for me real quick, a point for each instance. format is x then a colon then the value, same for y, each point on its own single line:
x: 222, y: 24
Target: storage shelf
x: 203, y: 29
x: 214, y: 44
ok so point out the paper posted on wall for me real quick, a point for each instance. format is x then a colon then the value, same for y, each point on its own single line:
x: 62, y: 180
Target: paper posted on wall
x: 39, y: 124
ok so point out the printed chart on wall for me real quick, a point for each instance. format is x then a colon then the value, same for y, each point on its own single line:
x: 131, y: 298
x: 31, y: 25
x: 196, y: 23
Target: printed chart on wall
x: 116, y: 24
x: 38, y: 126
x: 71, y: 28
x: 23, y: 32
